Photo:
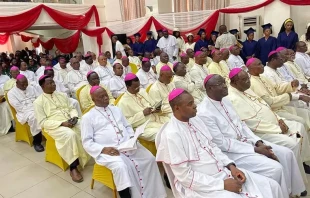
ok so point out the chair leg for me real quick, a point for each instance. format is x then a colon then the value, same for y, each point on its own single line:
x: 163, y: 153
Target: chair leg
x: 115, y: 193
x: 92, y: 184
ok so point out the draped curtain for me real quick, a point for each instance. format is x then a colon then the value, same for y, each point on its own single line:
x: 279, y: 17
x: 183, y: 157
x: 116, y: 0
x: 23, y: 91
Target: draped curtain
x: 132, y: 9
x: 196, y: 5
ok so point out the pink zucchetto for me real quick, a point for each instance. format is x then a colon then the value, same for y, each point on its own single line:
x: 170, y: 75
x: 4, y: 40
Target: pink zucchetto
x: 145, y: 59
x: 250, y: 61
x: 197, y: 53
x: 94, y: 88
x: 89, y: 73
x: 165, y: 30
x: 183, y: 54
x: 19, y: 76
x: 48, y: 68
x: 43, y: 76
x: 223, y: 49
x: 87, y: 55
x: 279, y: 49
x: 208, y: 78
x: 213, y: 51
x: 272, y: 52
x: 14, y: 68
x: 124, y: 57
x: 130, y: 76
x: 231, y: 47
x: 165, y: 68
x: 175, y: 93
x: 175, y: 64
x: 234, y: 72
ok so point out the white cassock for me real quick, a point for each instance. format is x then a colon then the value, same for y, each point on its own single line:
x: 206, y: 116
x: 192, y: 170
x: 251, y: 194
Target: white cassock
x: 85, y: 68
x: 58, y: 68
x: 22, y: 102
x: 235, y: 62
x: 258, y: 116
x: 187, y: 84
x: 40, y: 72
x: 146, y: 78
x: 6, y: 115
x: 159, y: 93
x: 303, y: 60
x: 297, y: 72
x: 107, y: 127
x: 188, y: 46
x: 31, y: 77
x: 237, y: 141
x: 9, y: 84
x: 62, y: 89
x: 135, y: 60
x: 63, y: 73
x: 105, y: 73
x: 3, y: 79
x: 126, y: 70
x: 198, y: 74
x: 117, y: 86
x: 160, y: 65
x: 278, y: 78
x: 119, y: 47
x: 169, y: 45
x: 199, y: 165
x: 75, y: 79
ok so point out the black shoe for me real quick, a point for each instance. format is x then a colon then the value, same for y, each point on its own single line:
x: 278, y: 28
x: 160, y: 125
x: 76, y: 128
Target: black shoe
x: 303, y: 194
x: 38, y: 148
x: 11, y: 128
x: 167, y: 181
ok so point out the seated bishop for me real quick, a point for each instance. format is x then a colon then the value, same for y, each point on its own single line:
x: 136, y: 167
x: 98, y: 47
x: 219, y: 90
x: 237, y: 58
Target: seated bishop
x: 146, y: 74
x: 59, y: 119
x: 260, y: 118
x: 183, y: 80
x: 198, y: 72
x: 88, y: 64
x: 104, y: 128
x: 21, y: 98
x: 9, y: 84
x: 160, y: 89
x: 196, y: 165
x: 104, y: 70
x: 240, y: 144
x: 85, y: 98
x: 218, y: 65
x: 117, y: 84
x: 138, y: 107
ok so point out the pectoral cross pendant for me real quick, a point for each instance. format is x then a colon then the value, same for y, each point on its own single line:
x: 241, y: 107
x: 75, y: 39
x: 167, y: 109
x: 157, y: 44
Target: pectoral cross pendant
x: 239, y: 137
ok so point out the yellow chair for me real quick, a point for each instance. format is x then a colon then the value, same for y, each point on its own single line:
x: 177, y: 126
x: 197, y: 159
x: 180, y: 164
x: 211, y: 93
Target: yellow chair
x: 77, y: 93
x: 148, y: 88
x: 104, y: 176
x: 51, y: 153
x: 118, y: 99
x: 88, y: 109
x: 134, y: 68
x: 22, y: 131
x: 149, y: 146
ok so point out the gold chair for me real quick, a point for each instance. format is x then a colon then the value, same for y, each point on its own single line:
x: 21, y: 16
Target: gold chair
x: 22, y: 131
x: 51, y: 153
x: 103, y: 175
x: 118, y: 99
x: 77, y: 93
x: 148, y: 88
x: 134, y: 68
x: 149, y: 146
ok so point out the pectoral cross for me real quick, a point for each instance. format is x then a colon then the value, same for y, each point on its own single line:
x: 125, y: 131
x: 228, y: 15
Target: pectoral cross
x: 239, y: 137
x: 120, y: 132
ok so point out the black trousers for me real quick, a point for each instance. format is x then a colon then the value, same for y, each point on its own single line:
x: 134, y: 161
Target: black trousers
x: 124, y: 193
x: 74, y: 164
x: 37, y: 139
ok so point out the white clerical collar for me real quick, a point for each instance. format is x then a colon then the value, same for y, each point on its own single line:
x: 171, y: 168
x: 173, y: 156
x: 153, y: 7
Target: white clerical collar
x: 179, y: 121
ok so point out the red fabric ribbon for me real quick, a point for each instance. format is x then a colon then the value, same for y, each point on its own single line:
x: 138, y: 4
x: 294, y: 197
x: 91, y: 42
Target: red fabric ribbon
x: 4, y: 38
x: 246, y: 9
x: 296, y: 2
x: 25, y: 38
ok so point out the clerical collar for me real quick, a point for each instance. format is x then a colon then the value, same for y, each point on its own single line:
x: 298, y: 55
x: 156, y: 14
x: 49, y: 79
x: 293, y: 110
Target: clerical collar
x: 176, y: 119
x: 163, y: 83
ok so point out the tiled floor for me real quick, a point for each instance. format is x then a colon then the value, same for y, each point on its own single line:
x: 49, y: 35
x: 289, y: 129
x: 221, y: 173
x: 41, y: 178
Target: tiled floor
x: 25, y: 174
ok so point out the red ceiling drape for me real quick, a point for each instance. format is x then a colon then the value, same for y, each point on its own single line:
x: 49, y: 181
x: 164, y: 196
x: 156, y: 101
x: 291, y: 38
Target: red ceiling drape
x: 4, y: 38
x: 245, y: 9
x: 296, y: 2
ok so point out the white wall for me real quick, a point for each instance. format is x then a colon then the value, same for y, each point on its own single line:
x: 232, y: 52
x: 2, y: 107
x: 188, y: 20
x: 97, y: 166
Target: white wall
x: 301, y: 17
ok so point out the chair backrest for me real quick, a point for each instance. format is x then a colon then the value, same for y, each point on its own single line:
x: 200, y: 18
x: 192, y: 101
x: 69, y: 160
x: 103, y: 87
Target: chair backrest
x: 148, y: 88
x: 118, y: 99
x: 88, y: 109
x: 134, y: 68
x: 77, y: 93
x: 167, y: 167
x: 11, y: 107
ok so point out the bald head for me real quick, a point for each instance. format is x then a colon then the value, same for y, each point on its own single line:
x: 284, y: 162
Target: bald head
x: 100, y: 97
x: 183, y: 106
x: 222, y: 29
x: 102, y: 60
x: 216, y: 87
x: 301, y: 47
